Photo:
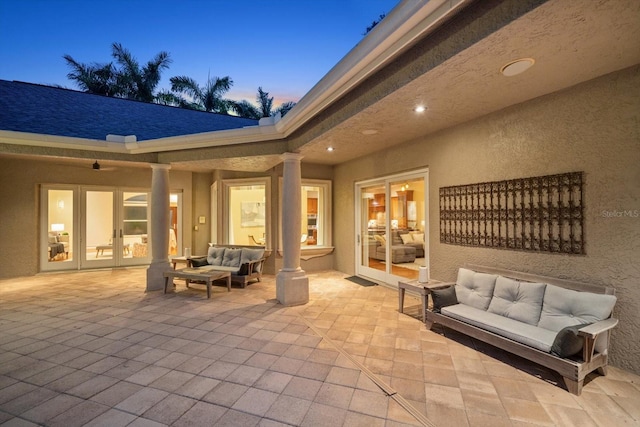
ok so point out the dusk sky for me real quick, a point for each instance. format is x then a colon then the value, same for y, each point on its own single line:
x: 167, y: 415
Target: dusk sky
x: 285, y: 46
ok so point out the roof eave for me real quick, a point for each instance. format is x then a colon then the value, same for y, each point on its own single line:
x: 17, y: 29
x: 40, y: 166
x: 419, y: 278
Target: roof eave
x: 55, y: 141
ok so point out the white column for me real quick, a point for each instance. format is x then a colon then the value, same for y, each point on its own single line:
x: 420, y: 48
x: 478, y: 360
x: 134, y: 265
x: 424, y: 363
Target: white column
x: 292, y: 283
x: 159, y: 226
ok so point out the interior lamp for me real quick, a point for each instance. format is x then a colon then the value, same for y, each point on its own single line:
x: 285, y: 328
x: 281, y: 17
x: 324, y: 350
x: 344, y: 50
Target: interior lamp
x: 57, y: 227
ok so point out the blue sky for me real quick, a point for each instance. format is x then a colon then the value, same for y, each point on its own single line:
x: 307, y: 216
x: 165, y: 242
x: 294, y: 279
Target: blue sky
x: 285, y: 46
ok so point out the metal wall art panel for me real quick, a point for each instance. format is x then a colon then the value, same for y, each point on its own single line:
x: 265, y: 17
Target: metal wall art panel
x: 539, y: 214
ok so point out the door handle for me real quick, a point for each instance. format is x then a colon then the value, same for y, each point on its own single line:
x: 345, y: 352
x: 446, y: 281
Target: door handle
x: 121, y: 233
x: 114, y: 233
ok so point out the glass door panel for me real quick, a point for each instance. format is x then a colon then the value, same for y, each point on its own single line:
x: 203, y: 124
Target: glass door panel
x: 407, y: 229
x: 99, y: 228
x: 134, y: 228
x: 58, y: 246
x: 373, y: 245
x: 392, y: 216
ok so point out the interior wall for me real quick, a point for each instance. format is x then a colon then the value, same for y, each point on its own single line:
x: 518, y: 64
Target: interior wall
x: 20, y: 181
x: 592, y: 127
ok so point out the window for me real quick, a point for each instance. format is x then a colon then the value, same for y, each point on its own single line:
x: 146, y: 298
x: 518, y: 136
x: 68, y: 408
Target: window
x: 315, y: 215
x: 247, y: 211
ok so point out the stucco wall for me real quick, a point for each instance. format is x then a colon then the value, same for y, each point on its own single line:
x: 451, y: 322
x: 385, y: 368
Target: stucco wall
x: 20, y: 182
x: 592, y: 127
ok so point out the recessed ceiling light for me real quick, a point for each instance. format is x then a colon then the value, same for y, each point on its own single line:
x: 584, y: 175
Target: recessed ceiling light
x: 329, y: 148
x: 516, y: 67
x: 420, y: 109
x: 369, y: 132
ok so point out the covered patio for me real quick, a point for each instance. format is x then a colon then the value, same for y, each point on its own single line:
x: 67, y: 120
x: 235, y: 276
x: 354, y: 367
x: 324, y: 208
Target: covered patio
x: 93, y: 348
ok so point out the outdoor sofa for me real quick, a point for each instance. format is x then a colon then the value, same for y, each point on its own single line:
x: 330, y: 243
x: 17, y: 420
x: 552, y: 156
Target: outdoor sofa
x: 561, y: 324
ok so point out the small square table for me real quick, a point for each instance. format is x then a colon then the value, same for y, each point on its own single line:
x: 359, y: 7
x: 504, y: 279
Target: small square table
x: 197, y: 275
x: 421, y: 288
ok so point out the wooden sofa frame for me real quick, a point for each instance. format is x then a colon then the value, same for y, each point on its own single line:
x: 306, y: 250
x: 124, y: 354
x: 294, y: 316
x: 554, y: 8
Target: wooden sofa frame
x: 242, y: 279
x: 572, y: 370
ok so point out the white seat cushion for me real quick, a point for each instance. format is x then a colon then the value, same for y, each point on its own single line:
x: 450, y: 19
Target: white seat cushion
x: 524, y: 333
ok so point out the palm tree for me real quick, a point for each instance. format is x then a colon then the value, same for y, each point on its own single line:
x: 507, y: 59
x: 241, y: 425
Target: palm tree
x: 265, y: 103
x: 96, y: 78
x: 265, y: 107
x: 140, y: 83
x: 128, y: 81
x: 246, y: 109
x: 284, y: 108
x: 208, y: 97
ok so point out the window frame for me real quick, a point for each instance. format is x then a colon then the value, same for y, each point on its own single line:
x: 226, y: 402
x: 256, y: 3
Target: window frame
x: 227, y: 184
x: 312, y: 251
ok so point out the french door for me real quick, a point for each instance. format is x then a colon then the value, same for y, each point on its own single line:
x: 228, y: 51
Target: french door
x: 95, y: 227
x: 115, y: 228
x: 392, y: 227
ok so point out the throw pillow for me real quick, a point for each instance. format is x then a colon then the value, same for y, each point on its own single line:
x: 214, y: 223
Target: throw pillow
x: 443, y: 298
x: 199, y: 262
x: 418, y: 237
x: 568, y: 342
x: 379, y: 239
x: 406, y: 238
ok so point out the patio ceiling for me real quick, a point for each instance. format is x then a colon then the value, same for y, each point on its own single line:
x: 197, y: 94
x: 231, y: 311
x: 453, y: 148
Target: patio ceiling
x: 571, y: 42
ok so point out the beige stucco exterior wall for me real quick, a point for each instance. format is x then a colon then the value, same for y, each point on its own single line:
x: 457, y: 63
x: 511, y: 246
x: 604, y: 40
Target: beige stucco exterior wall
x: 593, y: 127
x: 20, y: 182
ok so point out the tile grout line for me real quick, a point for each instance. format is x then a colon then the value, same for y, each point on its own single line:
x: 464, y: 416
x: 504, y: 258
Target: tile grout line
x: 387, y: 389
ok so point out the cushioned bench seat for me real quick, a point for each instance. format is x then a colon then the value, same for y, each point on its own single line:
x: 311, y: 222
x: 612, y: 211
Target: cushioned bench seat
x: 561, y: 324
x: 530, y: 335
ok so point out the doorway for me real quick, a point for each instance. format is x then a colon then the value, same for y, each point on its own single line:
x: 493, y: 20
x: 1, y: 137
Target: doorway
x: 392, y: 227
x: 85, y: 227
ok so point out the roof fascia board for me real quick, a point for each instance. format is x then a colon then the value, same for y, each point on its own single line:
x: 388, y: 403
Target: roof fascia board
x: 218, y: 138
x: 55, y: 141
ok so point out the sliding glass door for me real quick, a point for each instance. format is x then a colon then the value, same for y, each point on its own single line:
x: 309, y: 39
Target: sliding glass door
x: 392, y: 227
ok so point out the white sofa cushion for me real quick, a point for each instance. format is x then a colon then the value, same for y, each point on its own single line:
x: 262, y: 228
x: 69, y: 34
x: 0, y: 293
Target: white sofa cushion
x: 517, y: 300
x: 524, y: 333
x: 564, y: 307
x: 475, y: 289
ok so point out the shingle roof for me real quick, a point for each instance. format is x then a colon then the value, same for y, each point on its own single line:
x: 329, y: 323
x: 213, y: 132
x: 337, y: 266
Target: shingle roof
x: 27, y: 107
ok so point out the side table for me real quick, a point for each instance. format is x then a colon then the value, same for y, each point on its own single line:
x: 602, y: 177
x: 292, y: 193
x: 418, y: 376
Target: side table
x: 423, y: 289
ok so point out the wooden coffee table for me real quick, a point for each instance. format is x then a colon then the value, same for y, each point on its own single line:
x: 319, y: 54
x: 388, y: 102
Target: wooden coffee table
x: 197, y: 275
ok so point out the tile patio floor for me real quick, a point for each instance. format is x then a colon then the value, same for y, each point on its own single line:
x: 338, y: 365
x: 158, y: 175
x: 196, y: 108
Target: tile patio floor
x: 92, y: 348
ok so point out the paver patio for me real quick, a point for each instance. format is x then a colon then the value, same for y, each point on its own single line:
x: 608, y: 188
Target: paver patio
x: 92, y: 348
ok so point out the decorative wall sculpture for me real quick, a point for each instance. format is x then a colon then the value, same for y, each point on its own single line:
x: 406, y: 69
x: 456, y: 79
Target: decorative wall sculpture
x: 539, y: 214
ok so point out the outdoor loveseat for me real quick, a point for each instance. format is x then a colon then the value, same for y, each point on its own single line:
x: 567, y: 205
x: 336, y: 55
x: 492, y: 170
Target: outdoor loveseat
x: 244, y: 263
x: 560, y: 324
